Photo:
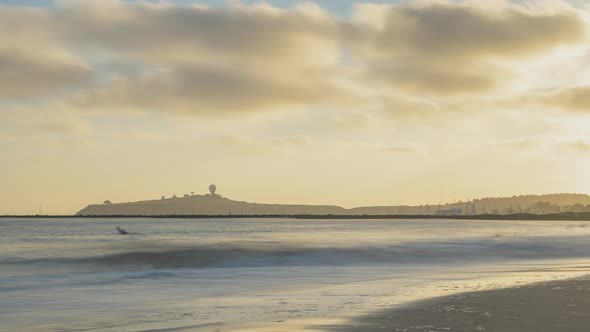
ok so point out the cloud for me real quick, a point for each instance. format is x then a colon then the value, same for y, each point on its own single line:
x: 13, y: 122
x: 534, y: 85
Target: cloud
x: 574, y: 99
x: 443, y: 47
x: 353, y: 121
x: 145, y: 136
x: 275, y: 144
x: 63, y: 124
x: 579, y: 146
x: 209, y: 61
x: 33, y: 60
x: 167, y: 33
x: 411, y: 58
x: 452, y: 30
x: 27, y: 75
x: 403, y: 149
x: 549, y: 144
x: 434, y: 78
x: 211, y: 90
x: 526, y: 143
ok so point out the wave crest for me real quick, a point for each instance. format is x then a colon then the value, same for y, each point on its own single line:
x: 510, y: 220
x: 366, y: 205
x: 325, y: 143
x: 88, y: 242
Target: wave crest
x: 264, y: 254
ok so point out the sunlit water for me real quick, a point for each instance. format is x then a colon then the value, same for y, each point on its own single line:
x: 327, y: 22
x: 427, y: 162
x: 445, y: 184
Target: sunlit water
x: 256, y: 274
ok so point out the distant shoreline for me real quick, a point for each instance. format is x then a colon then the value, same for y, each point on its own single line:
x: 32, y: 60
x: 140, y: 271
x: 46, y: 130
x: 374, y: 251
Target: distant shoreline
x: 570, y: 216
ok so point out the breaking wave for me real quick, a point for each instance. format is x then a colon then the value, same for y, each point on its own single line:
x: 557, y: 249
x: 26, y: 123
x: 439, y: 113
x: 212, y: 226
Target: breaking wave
x: 264, y: 254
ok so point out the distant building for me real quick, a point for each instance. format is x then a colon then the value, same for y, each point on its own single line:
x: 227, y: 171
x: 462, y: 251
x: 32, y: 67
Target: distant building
x: 187, y: 195
x: 107, y: 202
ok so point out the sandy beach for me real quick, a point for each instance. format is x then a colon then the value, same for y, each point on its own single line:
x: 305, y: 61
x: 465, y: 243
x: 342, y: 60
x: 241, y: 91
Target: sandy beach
x: 541, y: 307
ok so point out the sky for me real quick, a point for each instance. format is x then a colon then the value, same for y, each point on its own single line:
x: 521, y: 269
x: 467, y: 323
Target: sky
x: 352, y: 103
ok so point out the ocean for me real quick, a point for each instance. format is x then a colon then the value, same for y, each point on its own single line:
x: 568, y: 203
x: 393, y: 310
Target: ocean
x: 261, y: 274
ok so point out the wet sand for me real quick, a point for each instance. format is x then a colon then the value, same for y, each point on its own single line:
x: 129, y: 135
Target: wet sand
x: 543, y: 307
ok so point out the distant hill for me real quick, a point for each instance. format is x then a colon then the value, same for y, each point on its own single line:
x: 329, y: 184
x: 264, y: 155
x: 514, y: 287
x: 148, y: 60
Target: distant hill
x: 213, y: 204
x: 210, y: 204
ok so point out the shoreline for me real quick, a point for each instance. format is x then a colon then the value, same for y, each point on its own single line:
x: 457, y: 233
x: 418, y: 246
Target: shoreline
x: 550, y: 306
x: 568, y: 216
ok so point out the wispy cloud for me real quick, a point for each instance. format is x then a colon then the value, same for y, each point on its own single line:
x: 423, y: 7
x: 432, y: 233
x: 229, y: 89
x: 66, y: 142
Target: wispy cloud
x: 403, y: 149
x: 274, y: 144
x: 353, y: 121
x: 578, y: 145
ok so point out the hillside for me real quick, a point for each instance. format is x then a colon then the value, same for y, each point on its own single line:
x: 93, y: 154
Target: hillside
x: 211, y: 204
x: 214, y: 204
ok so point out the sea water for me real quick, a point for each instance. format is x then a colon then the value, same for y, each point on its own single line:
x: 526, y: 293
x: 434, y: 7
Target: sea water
x: 254, y: 274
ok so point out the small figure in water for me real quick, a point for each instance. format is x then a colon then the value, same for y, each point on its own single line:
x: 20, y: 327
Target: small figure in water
x: 121, y: 231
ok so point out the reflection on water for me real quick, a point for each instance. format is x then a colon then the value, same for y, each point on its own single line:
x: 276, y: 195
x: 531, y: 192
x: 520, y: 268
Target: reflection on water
x: 80, y: 274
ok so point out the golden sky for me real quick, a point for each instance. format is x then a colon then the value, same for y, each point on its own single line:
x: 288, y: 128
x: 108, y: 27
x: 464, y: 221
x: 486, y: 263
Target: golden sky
x: 383, y: 104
